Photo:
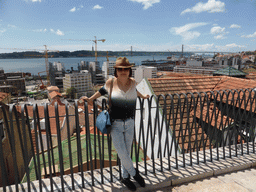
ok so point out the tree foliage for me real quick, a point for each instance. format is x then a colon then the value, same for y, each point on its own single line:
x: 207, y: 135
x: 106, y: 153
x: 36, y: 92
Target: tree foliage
x: 71, y: 92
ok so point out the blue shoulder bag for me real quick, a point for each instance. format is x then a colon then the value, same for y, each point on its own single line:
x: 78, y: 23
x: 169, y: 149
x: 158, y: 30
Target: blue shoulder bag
x: 103, y: 122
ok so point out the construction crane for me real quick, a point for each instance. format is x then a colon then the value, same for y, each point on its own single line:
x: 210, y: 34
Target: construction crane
x: 107, y: 57
x: 169, y: 52
x: 42, y: 87
x: 47, y: 65
x: 94, y: 40
x: 45, y: 56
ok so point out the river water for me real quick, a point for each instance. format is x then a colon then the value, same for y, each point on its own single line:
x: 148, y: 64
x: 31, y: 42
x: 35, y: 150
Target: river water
x: 36, y: 65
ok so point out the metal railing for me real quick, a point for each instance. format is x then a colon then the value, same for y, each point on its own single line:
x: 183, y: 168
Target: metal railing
x: 35, y: 145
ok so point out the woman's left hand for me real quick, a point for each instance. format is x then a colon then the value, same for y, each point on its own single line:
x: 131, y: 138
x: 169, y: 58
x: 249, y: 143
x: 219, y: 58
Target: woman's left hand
x: 146, y: 96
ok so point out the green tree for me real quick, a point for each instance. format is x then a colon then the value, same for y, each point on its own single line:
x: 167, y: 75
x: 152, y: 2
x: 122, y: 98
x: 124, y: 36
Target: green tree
x: 71, y: 92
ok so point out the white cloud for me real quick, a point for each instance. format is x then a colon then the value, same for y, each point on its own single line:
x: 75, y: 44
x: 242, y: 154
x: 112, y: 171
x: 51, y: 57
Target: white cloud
x: 219, y: 37
x: 2, y: 31
x: 58, y: 32
x: 233, y: 45
x: 250, y: 36
x: 217, y: 30
x: 212, y: 47
x: 73, y: 9
x: 185, y: 32
x: 40, y: 30
x: 146, y: 3
x: 34, y: 1
x: 76, y: 9
x: 235, y: 26
x: 230, y: 47
x: 211, y: 6
x: 11, y: 26
x: 197, y: 47
x: 97, y: 7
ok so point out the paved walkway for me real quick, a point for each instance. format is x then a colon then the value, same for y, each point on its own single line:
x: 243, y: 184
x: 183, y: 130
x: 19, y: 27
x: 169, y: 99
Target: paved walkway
x: 226, y: 174
x: 240, y: 181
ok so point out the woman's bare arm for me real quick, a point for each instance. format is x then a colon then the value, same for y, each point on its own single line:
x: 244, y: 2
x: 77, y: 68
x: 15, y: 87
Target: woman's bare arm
x: 145, y: 96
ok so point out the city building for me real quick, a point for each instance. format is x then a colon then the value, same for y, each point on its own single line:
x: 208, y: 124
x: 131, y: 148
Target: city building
x: 80, y: 81
x: 194, y: 63
x: 229, y: 60
x: 94, y: 68
x: 108, y: 69
x: 84, y: 65
x: 195, y: 70
x: 142, y: 72
x: 14, y: 82
x: 133, y: 69
x: 56, y: 73
x: 1, y: 73
x: 7, y: 89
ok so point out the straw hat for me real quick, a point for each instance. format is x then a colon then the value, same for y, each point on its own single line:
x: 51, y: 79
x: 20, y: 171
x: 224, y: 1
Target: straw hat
x: 122, y: 62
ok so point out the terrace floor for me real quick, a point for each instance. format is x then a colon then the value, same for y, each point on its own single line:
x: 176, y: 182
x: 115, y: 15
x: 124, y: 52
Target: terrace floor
x: 230, y: 174
x: 238, y: 181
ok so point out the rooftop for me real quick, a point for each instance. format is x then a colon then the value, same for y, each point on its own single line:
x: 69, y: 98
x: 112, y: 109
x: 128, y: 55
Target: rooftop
x: 230, y: 71
x: 198, y: 84
x: 204, y: 111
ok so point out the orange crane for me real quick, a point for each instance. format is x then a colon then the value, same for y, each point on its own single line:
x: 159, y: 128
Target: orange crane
x: 95, y: 41
x: 42, y: 87
x: 45, y: 56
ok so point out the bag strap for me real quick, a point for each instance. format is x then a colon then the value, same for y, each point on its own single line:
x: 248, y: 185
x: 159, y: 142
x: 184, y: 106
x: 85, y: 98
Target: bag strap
x: 111, y: 87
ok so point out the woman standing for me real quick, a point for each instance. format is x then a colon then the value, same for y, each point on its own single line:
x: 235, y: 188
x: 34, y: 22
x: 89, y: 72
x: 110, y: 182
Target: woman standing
x: 123, y: 105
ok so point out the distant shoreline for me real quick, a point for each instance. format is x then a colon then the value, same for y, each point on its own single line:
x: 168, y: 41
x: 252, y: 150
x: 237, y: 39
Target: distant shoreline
x: 77, y: 54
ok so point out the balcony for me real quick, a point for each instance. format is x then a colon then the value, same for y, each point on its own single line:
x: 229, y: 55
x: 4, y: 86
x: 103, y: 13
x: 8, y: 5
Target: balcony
x: 178, y: 138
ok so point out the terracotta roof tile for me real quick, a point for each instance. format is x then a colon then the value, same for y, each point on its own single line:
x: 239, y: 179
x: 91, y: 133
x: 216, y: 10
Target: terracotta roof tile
x: 3, y: 96
x: 251, y: 75
x: 55, y: 94
x: 56, y: 99
x: 169, y: 74
x: 196, y: 84
x: 53, y: 88
x: 51, y: 109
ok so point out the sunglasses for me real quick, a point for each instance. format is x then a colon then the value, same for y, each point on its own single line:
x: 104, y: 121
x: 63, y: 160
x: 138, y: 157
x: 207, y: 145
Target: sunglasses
x: 123, y: 69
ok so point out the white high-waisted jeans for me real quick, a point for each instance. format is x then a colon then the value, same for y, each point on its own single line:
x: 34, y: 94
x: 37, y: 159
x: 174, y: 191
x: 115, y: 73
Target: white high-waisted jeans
x: 122, y: 132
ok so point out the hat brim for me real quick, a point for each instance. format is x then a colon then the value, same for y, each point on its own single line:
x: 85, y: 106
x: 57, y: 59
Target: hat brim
x: 124, y: 67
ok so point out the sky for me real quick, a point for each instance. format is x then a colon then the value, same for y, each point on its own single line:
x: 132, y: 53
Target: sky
x: 144, y: 25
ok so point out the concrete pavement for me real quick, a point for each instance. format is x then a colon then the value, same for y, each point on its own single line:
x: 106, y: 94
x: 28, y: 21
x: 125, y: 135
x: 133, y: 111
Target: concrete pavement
x: 240, y: 181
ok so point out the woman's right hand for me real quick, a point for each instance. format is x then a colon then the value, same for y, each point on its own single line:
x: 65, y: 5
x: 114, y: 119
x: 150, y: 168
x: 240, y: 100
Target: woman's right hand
x: 84, y: 98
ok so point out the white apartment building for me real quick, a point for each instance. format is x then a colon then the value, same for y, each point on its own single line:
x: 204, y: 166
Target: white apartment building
x: 134, y: 68
x: 194, y: 63
x: 82, y: 82
x: 108, y: 69
x: 58, y: 65
x: 145, y: 72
